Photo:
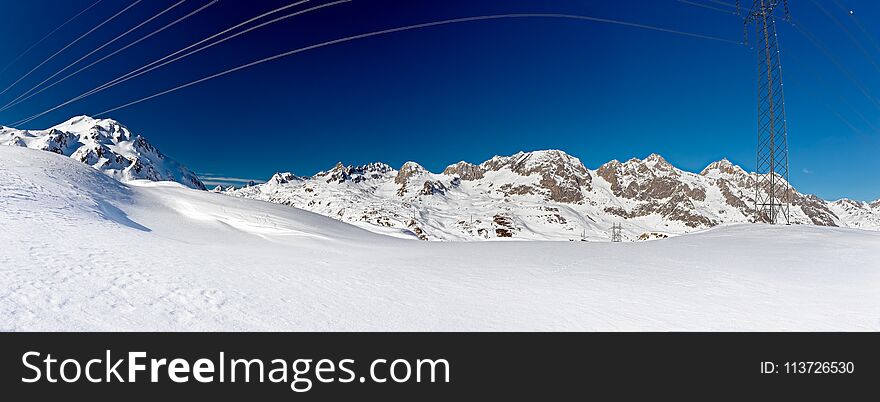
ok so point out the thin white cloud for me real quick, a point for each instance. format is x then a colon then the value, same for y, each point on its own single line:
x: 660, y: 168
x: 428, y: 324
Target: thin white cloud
x: 215, y: 180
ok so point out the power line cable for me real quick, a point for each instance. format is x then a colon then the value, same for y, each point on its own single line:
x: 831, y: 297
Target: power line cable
x: 859, y: 25
x: 144, y: 69
x: 47, y: 36
x: 112, y: 82
x: 169, y: 25
x: 69, y: 45
x: 830, y: 56
x: 723, y: 3
x: 849, y: 34
x: 841, y: 100
x: 108, y: 43
x: 212, y: 44
x: 411, y: 27
x: 137, y: 71
x: 706, y: 6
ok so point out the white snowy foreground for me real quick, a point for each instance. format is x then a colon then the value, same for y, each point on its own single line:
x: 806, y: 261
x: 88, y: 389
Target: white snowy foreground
x: 81, y: 251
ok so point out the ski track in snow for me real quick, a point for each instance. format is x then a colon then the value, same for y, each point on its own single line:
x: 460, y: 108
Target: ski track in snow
x: 82, y: 252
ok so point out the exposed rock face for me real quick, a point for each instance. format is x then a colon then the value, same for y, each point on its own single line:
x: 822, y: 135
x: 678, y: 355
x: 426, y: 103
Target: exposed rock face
x: 737, y: 199
x: 465, y: 171
x: 651, y: 179
x: 611, y: 172
x: 432, y: 187
x: 815, y: 208
x: 657, y: 187
x: 59, y: 142
x: 652, y: 236
x: 504, y: 226
x: 408, y: 170
x: 563, y: 176
x: 509, y: 189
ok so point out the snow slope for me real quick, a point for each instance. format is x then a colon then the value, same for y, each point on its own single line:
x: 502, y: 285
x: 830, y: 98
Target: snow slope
x: 81, y: 251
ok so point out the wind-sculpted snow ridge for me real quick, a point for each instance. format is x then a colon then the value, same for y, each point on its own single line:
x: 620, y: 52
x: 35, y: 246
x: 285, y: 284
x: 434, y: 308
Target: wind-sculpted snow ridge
x: 107, y: 146
x: 543, y: 195
x: 84, y: 252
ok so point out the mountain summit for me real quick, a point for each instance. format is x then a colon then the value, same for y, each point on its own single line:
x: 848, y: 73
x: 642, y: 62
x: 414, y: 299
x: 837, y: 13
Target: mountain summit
x: 106, y: 145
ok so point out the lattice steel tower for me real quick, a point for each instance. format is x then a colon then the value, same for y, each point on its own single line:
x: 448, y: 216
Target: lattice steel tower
x: 772, y: 188
x: 617, y: 233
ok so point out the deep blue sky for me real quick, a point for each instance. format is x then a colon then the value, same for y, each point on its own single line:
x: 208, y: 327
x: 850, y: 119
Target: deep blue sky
x: 466, y: 91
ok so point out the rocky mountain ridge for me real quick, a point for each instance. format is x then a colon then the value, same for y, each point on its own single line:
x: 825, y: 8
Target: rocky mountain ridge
x: 543, y: 195
x: 539, y: 195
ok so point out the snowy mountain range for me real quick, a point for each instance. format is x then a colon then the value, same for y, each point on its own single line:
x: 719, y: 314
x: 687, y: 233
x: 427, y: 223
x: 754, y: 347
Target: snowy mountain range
x: 106, y: 145
x: 82, y: 251
x: 542, y: 195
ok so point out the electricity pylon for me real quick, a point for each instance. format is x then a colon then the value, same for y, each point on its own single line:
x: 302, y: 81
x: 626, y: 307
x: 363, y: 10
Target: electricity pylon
x: 617, y: 233
x: 772, y: 188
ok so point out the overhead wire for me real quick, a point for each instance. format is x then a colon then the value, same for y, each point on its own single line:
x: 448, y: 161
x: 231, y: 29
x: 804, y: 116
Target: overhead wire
x: 69, y: 45
x: 412, y: 27
x: 232, y: 28
x: 143, y: 38
x: 108, y: 43
x: 35, y: 44
x: 215, y: 43
x: 830, y: 56
x: 723, y: 3
x: 156, y: 63
x: 706, y: 6
x: 858, y: 23
x: 849, y: 34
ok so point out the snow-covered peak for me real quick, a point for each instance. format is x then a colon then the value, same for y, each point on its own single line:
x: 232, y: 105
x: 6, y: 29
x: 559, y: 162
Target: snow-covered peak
x: 96, y: 128
x: 81, y: 121
x: 342, y: 173
x: 851, y: 203
x: 858, y: 214
x: 413, y: 167
x: 547, y: 162
x: 658, y: 162
x: 653, y: 165
x: 283, y: 178
x: 527, y: 163
x: 722, y: 168
x: 106, y: 145
x: 408, y: 170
